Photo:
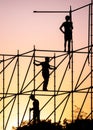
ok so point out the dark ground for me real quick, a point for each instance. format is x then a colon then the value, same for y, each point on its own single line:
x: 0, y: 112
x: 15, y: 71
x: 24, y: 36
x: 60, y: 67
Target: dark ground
x: 47, y: 125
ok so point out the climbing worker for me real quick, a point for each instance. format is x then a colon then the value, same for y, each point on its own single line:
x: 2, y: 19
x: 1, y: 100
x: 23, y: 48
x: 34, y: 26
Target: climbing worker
x: 45, y: 71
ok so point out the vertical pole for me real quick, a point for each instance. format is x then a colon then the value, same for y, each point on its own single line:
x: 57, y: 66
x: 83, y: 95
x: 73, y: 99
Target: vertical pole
x: 91, y: 40
x: 34, y: 74
x: 71, y: 65
x: 54, y: 90
x: 72, y: 88
x: 88, y: 34
x: 71, y: 44
x: 3, y: 93
x: 18, y: 87
x: 34, y: 70
x: 29, y: 114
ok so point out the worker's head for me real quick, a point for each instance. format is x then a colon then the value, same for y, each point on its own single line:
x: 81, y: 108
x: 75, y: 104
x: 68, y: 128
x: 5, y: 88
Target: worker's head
x: 32, y: 97
x: 47, y: 59
x: 67, y: 17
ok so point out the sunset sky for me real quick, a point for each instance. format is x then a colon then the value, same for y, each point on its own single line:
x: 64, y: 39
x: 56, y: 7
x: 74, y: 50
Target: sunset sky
x: 21, y: 29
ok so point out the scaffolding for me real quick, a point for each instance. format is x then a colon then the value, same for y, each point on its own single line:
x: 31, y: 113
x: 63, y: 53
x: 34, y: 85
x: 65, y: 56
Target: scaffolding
x: 20, y: 78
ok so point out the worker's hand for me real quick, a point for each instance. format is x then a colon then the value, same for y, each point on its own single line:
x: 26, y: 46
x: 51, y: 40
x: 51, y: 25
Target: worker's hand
x: 31, y: 109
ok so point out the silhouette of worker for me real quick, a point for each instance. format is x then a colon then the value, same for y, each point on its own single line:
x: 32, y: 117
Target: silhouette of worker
x: 66, y: 28
x: 45, y: 71
x: 36, y: 112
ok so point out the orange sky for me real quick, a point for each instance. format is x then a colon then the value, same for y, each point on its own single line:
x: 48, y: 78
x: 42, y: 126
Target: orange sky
x: 21, y: 29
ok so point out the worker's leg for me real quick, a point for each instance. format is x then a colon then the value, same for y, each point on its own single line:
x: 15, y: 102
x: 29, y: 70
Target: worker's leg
x: 46, y: 79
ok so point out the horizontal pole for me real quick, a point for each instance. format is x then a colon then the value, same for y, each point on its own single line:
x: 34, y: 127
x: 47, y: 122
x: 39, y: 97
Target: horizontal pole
x: 50, y: 11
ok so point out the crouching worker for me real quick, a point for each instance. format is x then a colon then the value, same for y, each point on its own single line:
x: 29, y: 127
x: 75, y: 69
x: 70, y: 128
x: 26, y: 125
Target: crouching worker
x: 35, y: 109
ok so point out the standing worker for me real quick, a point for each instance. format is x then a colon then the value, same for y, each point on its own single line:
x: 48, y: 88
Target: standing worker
x: 66, y: 28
